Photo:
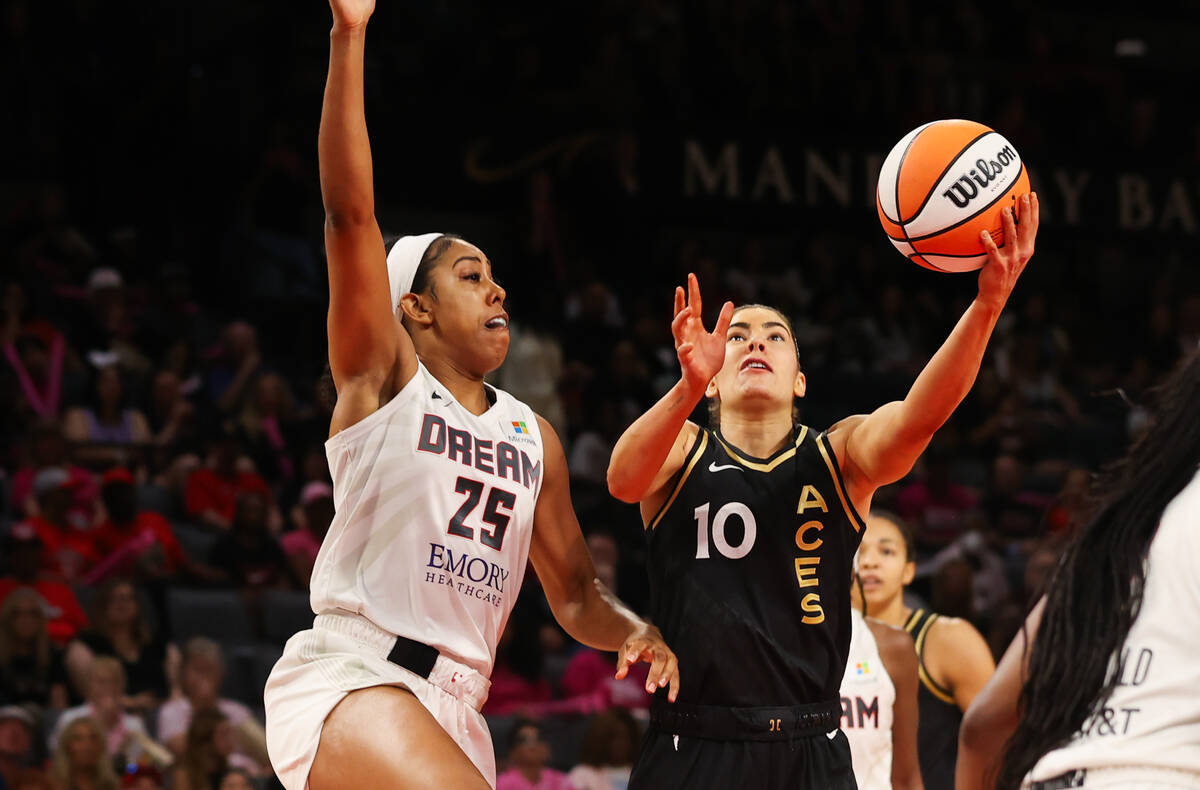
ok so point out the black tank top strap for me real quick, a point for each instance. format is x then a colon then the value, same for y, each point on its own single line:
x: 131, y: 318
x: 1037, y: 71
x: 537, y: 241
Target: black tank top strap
x: 689, y: 462
x: 918, y: 625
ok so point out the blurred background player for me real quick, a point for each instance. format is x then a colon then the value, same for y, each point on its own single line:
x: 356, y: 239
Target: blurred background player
x: 954, y: 661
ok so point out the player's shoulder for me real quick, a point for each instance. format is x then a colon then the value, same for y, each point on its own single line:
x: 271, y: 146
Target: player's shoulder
x: 839, y: 433
x: 952, y: 634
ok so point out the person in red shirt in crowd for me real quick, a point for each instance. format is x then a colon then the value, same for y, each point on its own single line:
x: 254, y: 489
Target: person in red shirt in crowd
x: 133, y: 543
x: 212, y: 491
x: 48, y: 448
x: 67, y: 550
x: 314, y: 515
x: 22, y: 549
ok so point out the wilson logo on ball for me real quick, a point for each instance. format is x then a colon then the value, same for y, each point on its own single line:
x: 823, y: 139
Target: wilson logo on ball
x: 964, y: 190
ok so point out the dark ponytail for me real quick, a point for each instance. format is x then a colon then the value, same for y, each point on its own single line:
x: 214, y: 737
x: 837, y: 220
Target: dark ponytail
x: 1096, y: 591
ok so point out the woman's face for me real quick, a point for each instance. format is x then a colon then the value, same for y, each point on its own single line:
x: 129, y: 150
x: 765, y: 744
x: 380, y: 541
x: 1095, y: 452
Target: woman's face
x: 84, y: 747
x: 883, y: 563
x: 464, y: 308
x: 105, y: 688
x: 27, y: 620
x: 760, y: 363
x: 122, y: 606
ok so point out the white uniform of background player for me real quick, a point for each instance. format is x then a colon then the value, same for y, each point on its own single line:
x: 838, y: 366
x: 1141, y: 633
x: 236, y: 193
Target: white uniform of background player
x: 430, y: 540
x: 1148, y: 734
x: 868, y: 698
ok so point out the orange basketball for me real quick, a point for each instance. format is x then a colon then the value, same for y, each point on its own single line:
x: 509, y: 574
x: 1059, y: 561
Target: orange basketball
x: 941, y: 185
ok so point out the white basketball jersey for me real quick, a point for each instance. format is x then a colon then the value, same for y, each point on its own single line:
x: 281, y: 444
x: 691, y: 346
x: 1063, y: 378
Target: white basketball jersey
x: 434, y: 513
x: 867, y: 699
x: 1153, y: 716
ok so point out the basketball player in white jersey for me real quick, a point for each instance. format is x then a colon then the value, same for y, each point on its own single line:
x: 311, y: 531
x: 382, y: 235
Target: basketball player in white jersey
x: 879, y: 704
x: 444, y: 487
x: 1109, y: 694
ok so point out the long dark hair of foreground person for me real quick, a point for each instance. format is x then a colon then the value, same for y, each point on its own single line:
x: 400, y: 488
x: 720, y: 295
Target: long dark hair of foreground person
x: 1096, y: 591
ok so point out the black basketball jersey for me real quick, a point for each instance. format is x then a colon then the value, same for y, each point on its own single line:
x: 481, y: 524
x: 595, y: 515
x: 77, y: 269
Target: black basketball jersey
x: 938, y: 715
x: 750, y: 562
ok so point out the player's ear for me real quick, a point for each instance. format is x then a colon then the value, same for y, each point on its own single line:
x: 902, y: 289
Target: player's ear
x: 416, y: 308
x: 800, y: 385
x: 711, y: 390
x: 910, y: 570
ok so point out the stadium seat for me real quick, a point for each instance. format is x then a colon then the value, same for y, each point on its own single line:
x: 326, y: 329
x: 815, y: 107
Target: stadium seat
x: 217, y: 614
x: 284, y: 613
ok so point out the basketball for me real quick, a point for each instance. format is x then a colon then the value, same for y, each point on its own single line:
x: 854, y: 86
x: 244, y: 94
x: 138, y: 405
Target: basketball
x: 941, y: 185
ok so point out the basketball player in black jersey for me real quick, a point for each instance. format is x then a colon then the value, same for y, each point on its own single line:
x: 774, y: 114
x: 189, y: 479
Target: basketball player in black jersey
x: 752, y: 526
x: 954, y: 662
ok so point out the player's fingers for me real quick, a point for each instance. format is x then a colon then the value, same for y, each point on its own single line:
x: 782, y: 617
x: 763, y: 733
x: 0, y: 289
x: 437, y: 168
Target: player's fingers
x: 1037, y: 211
x: 656, y: 670
x: 677, y: 323
x: 679, y: 301
x: 1011, y: 239
x: 672, y: 672
x: 694, y: 294
x: 989, y: 245
x: 723, y: 320
x: 628, y: 656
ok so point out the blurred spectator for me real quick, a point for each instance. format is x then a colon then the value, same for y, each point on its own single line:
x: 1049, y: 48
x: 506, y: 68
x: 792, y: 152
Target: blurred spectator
x: 108, y: 429
x: 121, y: 630
x: 126, y: 738
x: 23, y: 553
x: 606, y: 756
x: 32, y: 779
x: 1014, y: 509
x: 80, y: 759
x: 935, y: 504
x: 527, y: 756
x: 248, y: 555
x: 17, y: 754
x: 201, y: 672
x: 169, y: 414
x: 135, y: 543
x: 237, y: 779
x: 235, y: 363
x: 213, y: 491
x: 67, y: 549
x: 267, y: 422
x: 33, y: 375
x: 315, y: 514
x: 31, y: 666
x: 518, y: 681
x: 48, y: 448
x: 142, y: 777
x: 209, y: 754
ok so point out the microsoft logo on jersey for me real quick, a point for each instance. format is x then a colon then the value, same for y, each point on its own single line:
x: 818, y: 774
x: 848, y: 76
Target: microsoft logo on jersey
x: 520, y: 427
x: 861, y: 668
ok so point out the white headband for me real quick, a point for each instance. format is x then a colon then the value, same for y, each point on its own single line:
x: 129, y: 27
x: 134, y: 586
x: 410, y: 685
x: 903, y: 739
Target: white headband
x: 402, y: 261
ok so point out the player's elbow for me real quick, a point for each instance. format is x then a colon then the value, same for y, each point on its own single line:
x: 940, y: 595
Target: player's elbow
x: 977, y: 730
x: 622, y: 486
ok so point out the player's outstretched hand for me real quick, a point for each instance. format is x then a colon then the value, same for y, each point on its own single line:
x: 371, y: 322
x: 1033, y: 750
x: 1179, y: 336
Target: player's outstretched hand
x: 701, y: 353
x: 646, y: 644
x: 351, y: 13
x: 1004, y: 265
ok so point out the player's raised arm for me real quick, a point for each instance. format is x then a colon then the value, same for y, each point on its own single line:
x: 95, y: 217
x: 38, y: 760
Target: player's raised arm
x: 363, y: 341
x: 882, y: 447
x: 652, y: 449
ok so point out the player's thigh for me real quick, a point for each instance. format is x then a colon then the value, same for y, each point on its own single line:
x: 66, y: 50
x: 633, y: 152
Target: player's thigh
x: 383, y: 737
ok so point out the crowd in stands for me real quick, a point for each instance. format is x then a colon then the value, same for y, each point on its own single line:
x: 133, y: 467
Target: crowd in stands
x: 163, y: 399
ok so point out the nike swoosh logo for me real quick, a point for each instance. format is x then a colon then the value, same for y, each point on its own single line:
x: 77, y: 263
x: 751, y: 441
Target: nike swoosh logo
x: 714, y: 468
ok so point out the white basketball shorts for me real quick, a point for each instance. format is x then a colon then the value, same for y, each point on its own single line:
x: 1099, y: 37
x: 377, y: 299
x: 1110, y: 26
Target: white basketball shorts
x: 344, y: 652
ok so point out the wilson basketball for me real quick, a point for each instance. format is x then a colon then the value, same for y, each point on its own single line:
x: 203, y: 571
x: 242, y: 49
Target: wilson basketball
x: 941, y: 185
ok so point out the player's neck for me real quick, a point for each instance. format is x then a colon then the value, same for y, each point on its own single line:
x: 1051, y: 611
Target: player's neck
x: 758, y: 435
x: 894, y: 612
x: 467, y: 388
